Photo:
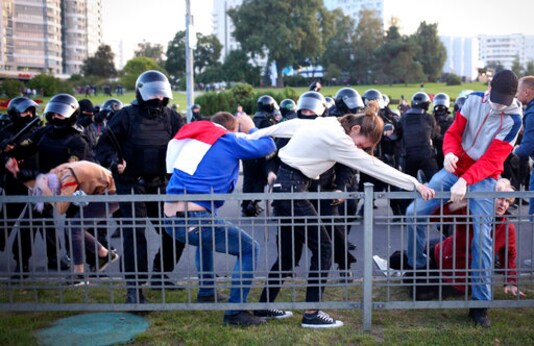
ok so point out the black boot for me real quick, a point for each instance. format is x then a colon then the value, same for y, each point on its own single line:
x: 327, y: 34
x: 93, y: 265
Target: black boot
x: 135, y: 296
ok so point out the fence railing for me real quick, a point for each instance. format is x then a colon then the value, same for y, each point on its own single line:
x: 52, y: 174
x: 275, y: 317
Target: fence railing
x: 368, y: 284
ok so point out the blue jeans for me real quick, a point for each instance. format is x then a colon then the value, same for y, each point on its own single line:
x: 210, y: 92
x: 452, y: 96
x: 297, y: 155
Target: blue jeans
x: 481, y: 211
x: 210, y: 234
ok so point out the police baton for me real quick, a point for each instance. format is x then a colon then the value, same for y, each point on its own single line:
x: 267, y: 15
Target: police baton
x: 14, y: 139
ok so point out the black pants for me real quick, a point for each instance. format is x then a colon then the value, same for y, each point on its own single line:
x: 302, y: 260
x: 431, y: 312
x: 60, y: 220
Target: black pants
x: 133, y: 232
x: 31, y: 223
x: 300, y: 226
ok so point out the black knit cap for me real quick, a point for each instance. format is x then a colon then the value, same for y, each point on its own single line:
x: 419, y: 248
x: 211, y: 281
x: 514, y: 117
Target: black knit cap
x: 503, y: 87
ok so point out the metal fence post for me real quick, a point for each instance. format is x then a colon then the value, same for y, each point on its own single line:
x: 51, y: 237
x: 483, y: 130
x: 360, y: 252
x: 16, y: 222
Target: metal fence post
x: 367, y: 256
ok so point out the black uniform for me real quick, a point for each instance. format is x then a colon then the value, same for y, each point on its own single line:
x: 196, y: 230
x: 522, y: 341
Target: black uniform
x: 141, y: 140
x: 444, y: 120
x: 418, y: 131
x: 47, y: 148
x: 254, y: 171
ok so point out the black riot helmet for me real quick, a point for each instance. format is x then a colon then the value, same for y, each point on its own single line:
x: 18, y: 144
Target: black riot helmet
x: 313, y: 101
x: 441, y: 102
x: 108, y: 109
x: 458, y: 103
x: 330, y: 102
x: 19, y: 105
x: 348, y: 101
x: 287, y: 106
x: 65, y: 105
x: 421, y: 100
x: 373, y: 94
x: 267, y: 104
x: 112, y: 105
x: 151, y: 85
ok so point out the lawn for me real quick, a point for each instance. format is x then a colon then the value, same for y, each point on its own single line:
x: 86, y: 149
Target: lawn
x: 398, y: 327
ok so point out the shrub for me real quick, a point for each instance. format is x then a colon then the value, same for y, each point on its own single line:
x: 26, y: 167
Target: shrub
x: 12, y: 87
x: 453, y: 79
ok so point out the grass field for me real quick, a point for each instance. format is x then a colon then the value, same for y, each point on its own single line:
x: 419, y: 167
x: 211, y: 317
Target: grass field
x: 391, y: 327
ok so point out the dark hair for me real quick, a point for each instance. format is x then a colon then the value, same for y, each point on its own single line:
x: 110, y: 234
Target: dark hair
x: 371, y: 125
x: 225, y: 119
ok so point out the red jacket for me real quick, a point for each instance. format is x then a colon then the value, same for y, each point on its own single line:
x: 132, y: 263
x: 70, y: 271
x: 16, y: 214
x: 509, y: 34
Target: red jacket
x: 504, y: 246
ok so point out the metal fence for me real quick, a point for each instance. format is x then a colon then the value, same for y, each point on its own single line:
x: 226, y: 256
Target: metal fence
x: 369, y: 284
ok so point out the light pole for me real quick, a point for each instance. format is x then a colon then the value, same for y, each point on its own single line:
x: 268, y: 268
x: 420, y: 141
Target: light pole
x: 189, y: 44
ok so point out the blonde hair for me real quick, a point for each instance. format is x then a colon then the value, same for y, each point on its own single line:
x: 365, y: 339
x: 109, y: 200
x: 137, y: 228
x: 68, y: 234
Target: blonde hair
x: 504, y: 185
x: 371, y: 125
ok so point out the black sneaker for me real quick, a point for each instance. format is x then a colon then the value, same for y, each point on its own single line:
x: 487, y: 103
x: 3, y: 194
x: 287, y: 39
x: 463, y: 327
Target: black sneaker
x: 480, y: 317
x: 104, y: 262
x: 318, y: 320
x: 216, y: 298
x: 77, y: 280
x: 273, y: 313
x: 243, y: 318
x: 134, y: 296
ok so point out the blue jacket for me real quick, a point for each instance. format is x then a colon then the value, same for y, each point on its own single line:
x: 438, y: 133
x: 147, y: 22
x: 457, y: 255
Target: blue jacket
x: 218, y: 169
x: 526, y: 148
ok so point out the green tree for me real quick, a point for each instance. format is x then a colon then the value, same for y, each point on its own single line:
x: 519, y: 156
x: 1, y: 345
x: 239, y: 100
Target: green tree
x: 397, y: 57
x: 237, y: 68
x: 149, y: 50
x: 433, y: 52
x: 207, y: 53
x: 339, y: 53
x: 529, y: 69
x: 134, y: 67
x: 293, y: 31
x: 369, y: 37
x: 101, y: 64
x: 11, y: 87
x: 517, y: 67
x: 46, y: 84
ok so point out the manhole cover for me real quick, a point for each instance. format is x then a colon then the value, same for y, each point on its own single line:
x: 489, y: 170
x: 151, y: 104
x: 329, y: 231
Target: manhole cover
x: 93, y: 329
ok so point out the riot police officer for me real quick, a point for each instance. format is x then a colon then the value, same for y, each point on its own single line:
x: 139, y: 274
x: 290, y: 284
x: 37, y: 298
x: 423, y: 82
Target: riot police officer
x: 444, y: 120
x: 347, y: 100
x: 195, y: 112
x: 254, y: 174
x: 288, y: 109
x: 134, y: 145
x: 21, y: 114
x: 418, y: 132
x: 60, y: 141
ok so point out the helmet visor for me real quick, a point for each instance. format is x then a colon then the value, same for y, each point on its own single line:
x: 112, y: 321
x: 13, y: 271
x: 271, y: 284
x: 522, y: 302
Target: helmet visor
x: 64, y: 109
x: 313, y: 104
x: 353, y: 103
x: 155, y: 89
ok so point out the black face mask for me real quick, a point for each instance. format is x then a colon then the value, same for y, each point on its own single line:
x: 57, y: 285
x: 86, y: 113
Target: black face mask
x: 155, y: 106
x: 22, y: 121
x: 85, y: 120
x: 59, y: 123
x: 307, y: 117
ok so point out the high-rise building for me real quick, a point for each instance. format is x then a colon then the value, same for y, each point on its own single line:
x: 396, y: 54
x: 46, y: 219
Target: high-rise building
x: 82, y: 32
x: 223, y: 25
x: 52, y: 36
x: 462, y: 56
x: 30, y: 38
x: 504, y: 49
x: 352, y: 8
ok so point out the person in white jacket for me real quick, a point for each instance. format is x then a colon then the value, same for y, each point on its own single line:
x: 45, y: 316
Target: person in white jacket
x: 314, y: 147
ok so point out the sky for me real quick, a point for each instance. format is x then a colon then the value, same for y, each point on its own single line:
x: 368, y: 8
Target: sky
x: 157, y: 21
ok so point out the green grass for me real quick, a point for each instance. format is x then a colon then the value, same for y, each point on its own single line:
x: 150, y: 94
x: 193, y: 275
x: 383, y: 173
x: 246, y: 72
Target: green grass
x: 399, y: 327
